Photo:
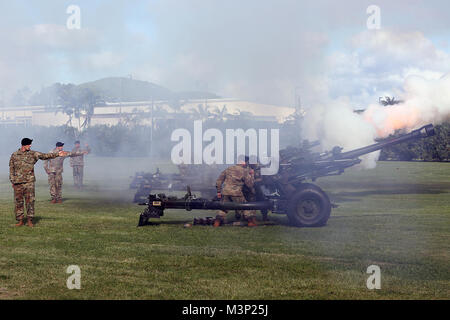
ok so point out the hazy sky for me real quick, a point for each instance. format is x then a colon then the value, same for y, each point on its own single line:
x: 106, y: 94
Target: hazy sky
x: 262, y: 50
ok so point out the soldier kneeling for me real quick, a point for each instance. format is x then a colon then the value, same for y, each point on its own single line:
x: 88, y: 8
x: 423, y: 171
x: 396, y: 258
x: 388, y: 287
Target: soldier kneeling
x: 234, y: 179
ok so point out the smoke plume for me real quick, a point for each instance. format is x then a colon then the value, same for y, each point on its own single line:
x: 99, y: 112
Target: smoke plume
x: 425, y: 101
x: 335, y: 122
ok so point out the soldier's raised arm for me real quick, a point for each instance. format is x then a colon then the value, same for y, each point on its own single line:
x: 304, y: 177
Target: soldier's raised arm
x: 45, y: 156
x: 74, y: 154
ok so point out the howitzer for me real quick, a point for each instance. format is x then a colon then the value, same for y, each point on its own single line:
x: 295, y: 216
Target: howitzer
x: 286, y: 192
x: 200, y: 177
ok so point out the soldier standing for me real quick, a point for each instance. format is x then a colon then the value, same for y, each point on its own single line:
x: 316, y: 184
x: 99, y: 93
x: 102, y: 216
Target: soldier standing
x: 77, y: 164
x: 54, y: 169
x: 183, y: 169
x: 235, y: 178
x: 21, y: 175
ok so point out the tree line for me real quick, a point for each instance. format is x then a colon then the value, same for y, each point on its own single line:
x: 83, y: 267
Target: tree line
x: 142, y: 141
x: 435, y: 148
x: 131, y: 138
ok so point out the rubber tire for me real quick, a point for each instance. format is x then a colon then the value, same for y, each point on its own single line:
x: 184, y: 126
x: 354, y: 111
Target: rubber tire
x: 308, y: 191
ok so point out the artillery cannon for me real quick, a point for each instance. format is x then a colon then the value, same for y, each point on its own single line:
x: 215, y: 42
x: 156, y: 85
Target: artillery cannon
x: 201, y: 178
x: 286, y: 192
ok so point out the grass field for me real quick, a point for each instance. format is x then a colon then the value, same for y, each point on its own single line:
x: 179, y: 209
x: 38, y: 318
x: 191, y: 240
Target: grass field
x: 396, y: 216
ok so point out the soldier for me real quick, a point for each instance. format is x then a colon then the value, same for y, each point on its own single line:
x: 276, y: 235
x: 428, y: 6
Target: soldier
x: 183, y: 169
x: 255, y: 194
x: 54, y: 169
x: 235, y: 178
x: 21, y: 175
x: 77, y: 164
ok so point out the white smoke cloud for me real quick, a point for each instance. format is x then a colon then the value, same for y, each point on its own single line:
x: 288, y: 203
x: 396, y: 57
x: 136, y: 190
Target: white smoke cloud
x: 335, y: 124
x: 425, y: 101
x: 406, y: 65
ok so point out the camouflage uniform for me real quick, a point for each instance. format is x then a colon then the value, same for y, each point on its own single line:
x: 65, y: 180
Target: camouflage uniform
x: 54, y: 169
x: 77, y: 164
x: 184, y: 169
x: 255, y: 193
x: 235, y: 178
x: 21, y: 175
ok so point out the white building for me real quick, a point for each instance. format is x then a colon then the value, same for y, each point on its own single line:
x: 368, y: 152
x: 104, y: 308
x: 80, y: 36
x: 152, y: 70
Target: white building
x: 114, y: 113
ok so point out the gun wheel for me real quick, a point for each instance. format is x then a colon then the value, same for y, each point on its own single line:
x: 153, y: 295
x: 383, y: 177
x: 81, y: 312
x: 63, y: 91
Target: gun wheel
x: 309, y: 206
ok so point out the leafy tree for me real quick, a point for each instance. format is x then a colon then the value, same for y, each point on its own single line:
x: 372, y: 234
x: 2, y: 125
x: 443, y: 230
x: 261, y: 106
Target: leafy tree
x: 46, y: 96
x: 77, y: 102
x: 22, y: 97
x: 435, y: 148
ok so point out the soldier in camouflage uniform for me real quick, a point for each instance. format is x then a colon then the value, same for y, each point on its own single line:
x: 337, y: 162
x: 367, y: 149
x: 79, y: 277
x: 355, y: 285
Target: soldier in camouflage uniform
x: 235, y: 178
x: 255, y: 193
x: 77, y: 164
x: 21, y: 175
x: 54, y: 169
x: 183, y: 169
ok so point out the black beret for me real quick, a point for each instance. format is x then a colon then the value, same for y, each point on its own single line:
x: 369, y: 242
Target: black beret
x: 241, y: 158
x: 26, y: 141
x: 77, y: 142
x: 59, y: 144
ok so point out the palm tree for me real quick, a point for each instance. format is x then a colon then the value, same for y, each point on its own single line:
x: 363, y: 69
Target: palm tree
x: 88, y: 101
x: 220, y: 115
x: 77, y: 102
x: 388, y: 101
x: 202, y: 112
x: 176, y: 104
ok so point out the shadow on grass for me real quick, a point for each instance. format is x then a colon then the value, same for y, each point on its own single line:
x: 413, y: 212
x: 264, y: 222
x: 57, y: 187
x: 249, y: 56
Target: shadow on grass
x: 157, y: 223
x: 335, y: 198
x: 347, y: 196
x: 365, y: 215
x: 36, y: 220
x: 272, y: 221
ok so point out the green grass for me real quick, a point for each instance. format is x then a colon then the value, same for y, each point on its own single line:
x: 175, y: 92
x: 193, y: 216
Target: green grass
x: 396, y: 216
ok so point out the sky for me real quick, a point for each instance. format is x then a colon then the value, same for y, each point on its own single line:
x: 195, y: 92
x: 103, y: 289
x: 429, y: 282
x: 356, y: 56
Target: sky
x: 259, y: 50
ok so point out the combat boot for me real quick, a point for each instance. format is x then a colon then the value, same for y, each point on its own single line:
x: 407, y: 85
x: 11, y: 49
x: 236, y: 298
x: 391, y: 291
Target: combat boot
x: 30, y: 222
x: 19, y: 223
x: 218, y: 222
x: 59, y: 201
x: 252, y: 222
x: 53, y: 200
x: 264, y: 215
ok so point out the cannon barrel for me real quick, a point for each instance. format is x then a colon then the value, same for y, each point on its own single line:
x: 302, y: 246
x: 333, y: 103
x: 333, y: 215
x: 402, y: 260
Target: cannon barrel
x: 214, y: 205
x: 423, y: 132
x: 158, y: 203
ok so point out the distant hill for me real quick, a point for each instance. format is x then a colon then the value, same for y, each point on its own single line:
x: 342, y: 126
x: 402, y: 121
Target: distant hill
x: 126, y: 89
x: 115, y: 89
